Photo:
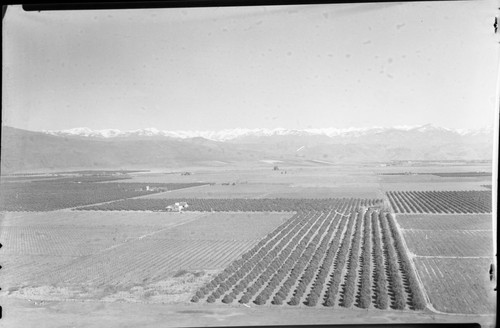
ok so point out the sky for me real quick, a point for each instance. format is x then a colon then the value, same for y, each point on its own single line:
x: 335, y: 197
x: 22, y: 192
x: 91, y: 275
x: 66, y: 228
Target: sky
x: 293, y: 67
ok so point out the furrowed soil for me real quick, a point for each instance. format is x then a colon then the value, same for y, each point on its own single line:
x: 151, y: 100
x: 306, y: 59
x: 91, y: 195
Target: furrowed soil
x: 452, y: 255
x: 132, y: 256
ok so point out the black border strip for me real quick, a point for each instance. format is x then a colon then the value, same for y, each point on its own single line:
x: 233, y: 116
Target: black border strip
x: 190, y: 3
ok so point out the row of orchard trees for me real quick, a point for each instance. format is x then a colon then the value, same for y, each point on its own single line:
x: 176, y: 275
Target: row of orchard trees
x: 470, y: 201
x: 240, y: 204
x: 324, y: 258
x: 279, y: 204
x: 243, y: 271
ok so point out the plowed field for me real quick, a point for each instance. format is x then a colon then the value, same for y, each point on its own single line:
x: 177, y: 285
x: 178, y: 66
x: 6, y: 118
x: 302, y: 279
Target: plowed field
x: 96, y: 253
x: 452, y: 254
x: 458, y: 285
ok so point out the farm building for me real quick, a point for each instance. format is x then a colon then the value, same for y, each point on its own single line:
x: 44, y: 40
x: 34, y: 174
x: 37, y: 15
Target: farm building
x: 177, y: 207
x: 149, y: 188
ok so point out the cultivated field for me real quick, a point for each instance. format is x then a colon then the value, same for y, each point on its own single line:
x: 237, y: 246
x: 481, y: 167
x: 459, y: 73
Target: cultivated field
x: 49, y: 195
x: 470, y: 201
x: 446, y: 222
x: 236, y: 227
x: 433, y: 182
x: 67, y: 254
x: 267, y: 190
x: 233, y: 204
x: 317, y: 239
x: 452, y: 254
x: 324, y: 259
x: 461, y: 243
x: 457, y: 285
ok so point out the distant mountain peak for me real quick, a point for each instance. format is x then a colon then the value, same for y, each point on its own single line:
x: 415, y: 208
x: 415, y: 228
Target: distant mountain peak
x: 81, y: 148
x: 237, y: 133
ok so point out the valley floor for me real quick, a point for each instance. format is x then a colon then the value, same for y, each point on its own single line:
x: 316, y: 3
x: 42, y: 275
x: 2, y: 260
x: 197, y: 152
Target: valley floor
x: 54, y: 314
x: 68, y: 268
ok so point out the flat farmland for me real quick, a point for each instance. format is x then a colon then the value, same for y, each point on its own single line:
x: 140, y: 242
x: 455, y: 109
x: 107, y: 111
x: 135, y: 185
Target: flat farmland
x: 147, y: 260
x: 89, y: 219
x: 460, y: 243
x: 446, y: 222
x: 318, y: 181
x: 269, y: 190
x: 430, y: 182
x: 49, y: 239
x: 452, y: 255
x: 71, y: 254
x: 432, y: 168
x: 234, y: 204
x: 226, y: 226
x: 434, y: 186
x: 458, y: 285
x: 65, y: 241
x: 318, y: 176
x: 464, y: 201
x: 320, y: 238
x: 247, y: 190
x: 323, y: 258
x: 50, y: 195
x: 347, y: 190
x: 18, y: 271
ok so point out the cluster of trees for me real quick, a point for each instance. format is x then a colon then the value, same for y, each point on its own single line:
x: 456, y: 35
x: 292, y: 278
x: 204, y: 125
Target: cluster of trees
x: 381, y: 299
x: 278, y: 204
x: 257, y: 265
x: 49, y: 195
x: 317, y: 288
x: 275, y: 265
x: 482, y: 198
x: 304, y: 250
x: 302, y: 254
x: 396, y: 283
x: 365, y: 285
x: 288, y: 258
x: 470, y: 201
x: 399, y: 204
x: 352, y: 265
x: 333, y: 288
x: 416, y: 202
x: 417, y: 297
x: 251, y: 263
x: 237, y: 204
x: 312, y: 261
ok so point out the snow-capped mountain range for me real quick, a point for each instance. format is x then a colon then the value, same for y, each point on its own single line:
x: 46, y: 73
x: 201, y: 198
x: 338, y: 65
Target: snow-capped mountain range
x: 151, y: 148
x: 233, y: 134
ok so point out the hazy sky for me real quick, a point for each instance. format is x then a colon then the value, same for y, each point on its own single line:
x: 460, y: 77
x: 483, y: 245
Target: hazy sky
x: 312, y: 66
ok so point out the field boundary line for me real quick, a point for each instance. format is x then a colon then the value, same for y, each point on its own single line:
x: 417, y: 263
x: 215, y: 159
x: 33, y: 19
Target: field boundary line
x: 166, y: 191
x: 477, y: 230
x: 135, y: 197
x: 455, y: 314
x: 443, y: 214
x: 154, y: 232
x: 414, y: 267
x: 453, y: 257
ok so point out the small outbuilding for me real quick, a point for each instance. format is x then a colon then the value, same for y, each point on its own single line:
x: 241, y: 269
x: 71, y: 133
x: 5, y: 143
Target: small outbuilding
x: 177, y: 207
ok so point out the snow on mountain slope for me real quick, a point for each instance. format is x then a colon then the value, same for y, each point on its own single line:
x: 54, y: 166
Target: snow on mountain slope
x: 233, y: 134
x: 24, y: 150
